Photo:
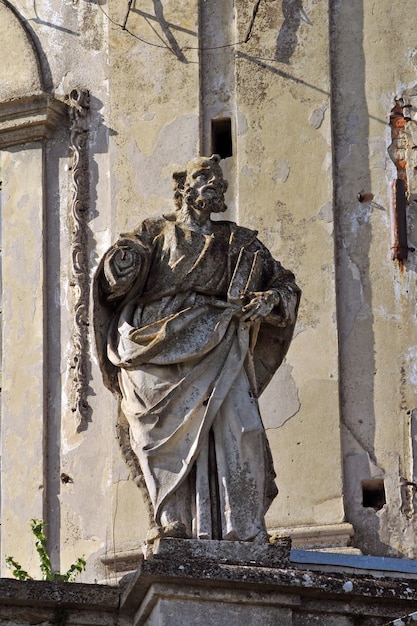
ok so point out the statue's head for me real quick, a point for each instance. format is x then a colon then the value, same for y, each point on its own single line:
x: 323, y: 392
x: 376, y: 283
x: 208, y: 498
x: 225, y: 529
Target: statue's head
x: 201, y: 184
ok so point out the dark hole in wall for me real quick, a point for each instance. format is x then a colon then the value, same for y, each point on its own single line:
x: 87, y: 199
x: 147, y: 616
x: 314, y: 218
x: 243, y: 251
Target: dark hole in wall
x: 373, y: 494
x: 221, y: 137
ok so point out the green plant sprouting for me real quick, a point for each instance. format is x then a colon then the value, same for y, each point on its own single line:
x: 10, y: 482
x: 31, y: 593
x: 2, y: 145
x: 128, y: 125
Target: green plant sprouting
x: 37, y: 526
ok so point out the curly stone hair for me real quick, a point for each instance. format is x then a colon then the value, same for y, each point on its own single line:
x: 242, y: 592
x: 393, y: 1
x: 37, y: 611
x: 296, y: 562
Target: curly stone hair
x: 180, y: 185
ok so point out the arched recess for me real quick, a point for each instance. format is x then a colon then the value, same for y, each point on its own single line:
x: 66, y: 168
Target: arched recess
x: 27, y: 112
x: 29, y: 116
x: 18, y: 51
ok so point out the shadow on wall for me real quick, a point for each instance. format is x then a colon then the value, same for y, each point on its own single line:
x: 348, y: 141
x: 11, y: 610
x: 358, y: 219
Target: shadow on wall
x: 293, y: 13
x: 350, y: 118
x: 167, y: 37
x: 353, y: 237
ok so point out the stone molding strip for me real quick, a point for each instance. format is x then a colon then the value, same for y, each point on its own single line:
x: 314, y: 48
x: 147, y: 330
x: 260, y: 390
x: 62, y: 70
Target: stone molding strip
x: 79, y: 104
x: 318, y: 537
x: 30, y: 119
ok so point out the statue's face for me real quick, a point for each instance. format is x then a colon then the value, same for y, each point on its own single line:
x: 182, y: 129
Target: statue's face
x: 205, y: 185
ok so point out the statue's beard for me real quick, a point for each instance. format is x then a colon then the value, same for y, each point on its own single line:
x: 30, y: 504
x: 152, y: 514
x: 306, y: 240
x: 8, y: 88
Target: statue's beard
x: 214, y: 204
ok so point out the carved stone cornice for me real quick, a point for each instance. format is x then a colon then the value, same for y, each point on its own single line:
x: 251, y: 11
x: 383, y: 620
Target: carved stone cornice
x: 29, y: 119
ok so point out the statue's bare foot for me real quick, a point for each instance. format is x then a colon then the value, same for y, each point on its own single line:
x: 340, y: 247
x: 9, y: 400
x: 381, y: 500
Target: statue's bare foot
x: 176, y: 530
x: 153, y: 534
x: 261, y: 537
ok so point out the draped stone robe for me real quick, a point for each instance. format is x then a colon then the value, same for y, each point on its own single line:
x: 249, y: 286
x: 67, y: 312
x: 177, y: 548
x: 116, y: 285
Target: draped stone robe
x: 172, y: 345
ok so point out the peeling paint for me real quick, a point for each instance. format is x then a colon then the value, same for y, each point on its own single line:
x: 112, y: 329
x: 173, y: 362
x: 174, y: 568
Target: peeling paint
x: 281, y: 171
x: 326, y: 212
x: 317, y: 116
x: 412, y: 365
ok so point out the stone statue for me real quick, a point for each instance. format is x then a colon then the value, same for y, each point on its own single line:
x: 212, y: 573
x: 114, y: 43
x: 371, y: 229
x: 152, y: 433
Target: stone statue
x: 193, y: 317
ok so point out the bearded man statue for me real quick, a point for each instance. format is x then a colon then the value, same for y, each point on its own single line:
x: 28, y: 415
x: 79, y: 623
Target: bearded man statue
x: 193, y: 317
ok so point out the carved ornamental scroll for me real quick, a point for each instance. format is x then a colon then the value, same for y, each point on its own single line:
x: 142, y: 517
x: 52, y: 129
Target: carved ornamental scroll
x: 78, y: 102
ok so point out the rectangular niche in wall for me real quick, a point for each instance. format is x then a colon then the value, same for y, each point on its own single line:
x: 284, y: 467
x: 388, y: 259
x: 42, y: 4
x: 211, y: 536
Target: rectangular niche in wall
x: 373, y: 494
x: 221, y: 137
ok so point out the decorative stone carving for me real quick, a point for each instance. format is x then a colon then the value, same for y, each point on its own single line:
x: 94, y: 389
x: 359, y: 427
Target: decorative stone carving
x: 30, y: 119
x: 78, y: 102
x: 193, y: 317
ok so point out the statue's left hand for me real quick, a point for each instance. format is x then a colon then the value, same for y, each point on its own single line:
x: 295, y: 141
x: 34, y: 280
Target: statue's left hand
x: 260, y: 305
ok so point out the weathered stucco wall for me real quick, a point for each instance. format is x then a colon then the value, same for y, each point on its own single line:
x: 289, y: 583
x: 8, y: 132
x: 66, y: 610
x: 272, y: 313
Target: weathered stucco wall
x: 39, y: 435
x: 309, y: 97
x: 283, y: 118
x: 373, y: 66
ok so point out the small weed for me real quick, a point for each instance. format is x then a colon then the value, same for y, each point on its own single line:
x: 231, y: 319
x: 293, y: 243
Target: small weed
x: 37, y: 526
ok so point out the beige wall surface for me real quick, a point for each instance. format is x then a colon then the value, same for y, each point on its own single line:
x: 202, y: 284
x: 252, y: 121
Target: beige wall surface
x: 309, y: 96
x: 373, y: 66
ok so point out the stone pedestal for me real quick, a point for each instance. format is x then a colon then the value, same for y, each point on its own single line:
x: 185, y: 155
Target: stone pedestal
x: 208, y: 582
x: 211, y: 583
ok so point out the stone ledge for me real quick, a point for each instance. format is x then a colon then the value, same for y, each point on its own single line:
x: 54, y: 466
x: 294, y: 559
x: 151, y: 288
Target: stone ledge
x: 41, y: 602
x: 46, y: 594
x: 337, y: 585
x: 125, y: 559
x: 174, y: 590
x: 175, y: 587
x: 30, y: 119
x: 325, y: 537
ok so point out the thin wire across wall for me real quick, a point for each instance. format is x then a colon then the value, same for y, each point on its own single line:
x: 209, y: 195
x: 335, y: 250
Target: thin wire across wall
x: 123, y: 27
